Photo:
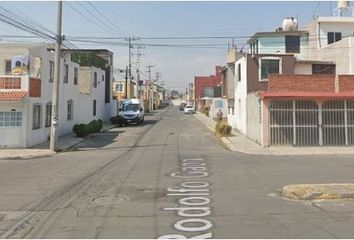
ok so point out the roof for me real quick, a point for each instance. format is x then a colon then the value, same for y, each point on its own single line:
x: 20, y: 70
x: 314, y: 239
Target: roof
x: 12, y: 96
x: 336, y: 19
x: 301, y: 95
x: 315, y: 62
x: 87, y: 50
x: 276, y: 33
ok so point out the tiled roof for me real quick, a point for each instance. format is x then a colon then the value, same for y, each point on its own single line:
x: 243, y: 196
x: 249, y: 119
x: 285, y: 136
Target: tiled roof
x: 12, y: 95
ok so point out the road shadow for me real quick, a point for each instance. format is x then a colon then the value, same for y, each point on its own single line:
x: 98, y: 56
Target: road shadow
x: 99, y: 140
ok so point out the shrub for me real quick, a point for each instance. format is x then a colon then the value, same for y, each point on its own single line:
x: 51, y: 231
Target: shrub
x: 100, y: 124
x: 117, y: 120
x: 80, y: 130
x: 89, y: 128
x: 95, y: 126
x: 223, y: 129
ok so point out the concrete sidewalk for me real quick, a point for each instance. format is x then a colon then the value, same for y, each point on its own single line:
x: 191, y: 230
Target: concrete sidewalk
x: 239, y: 143
x: 42, y: 150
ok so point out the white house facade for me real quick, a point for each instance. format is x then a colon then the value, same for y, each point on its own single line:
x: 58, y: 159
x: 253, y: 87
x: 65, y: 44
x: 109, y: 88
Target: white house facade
x: 26, y: 97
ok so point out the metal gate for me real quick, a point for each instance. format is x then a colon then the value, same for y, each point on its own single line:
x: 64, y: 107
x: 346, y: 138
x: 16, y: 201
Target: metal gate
x: 302, y: 123
x: 338, y: 123
x: 293, y: 123
x: 281, y: 123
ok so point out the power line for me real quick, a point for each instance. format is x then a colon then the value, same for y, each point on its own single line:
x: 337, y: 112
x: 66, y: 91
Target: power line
x: 107, y: 19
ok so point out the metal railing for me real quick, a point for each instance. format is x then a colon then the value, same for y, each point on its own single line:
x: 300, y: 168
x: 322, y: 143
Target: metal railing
x: 10, y: 82
x: 304, y: 123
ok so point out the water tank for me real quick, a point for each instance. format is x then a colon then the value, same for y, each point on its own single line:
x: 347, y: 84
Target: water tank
x: 342, y: 4
x: 289, y: 24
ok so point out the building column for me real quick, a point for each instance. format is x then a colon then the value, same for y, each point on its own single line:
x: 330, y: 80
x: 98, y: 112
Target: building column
x: 320, y: 132
x: 265, y: 123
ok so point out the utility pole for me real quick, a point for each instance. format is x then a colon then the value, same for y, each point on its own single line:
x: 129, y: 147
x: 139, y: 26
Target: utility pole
x: 126, y: 83
x: 55, y: 97
x: 138, y: 56
x: 130, y: 46
x: 138, y: 82
x: 158, y: 75
x: 151, y: 92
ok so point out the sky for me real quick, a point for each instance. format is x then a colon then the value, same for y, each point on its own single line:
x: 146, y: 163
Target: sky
x: 99, y: 20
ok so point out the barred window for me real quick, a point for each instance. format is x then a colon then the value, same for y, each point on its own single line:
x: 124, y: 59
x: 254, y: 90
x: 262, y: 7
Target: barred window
x: 10, y: 119
x: 37, y: 112
x: 48, y: 114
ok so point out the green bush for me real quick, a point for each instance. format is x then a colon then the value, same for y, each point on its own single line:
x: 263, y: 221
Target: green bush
x: 117, y: 120
x: 95, y: 126
x: 80, y: 130
x: 223, y: 129
x: 89, y: 128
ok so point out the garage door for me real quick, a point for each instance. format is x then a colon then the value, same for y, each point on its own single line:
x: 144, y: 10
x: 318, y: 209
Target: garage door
x: 11, y: 133
x: 302, y: 123
x: 293, y: 123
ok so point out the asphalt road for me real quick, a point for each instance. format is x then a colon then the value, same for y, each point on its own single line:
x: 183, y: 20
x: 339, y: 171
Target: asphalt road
x: 170, y: 178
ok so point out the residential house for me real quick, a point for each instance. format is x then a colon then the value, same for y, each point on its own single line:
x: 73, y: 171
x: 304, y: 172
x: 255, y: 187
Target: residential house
x: 207, y: 88
x: 26, y: 81
x: 286, y: 78
x: 119, y: 89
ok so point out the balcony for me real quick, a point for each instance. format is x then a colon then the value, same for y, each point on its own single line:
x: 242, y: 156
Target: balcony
x: 21, y: 83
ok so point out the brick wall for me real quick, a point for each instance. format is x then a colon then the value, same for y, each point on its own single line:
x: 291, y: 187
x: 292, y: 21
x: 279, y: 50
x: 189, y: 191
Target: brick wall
x: 201, y: 82
x: 346, y: 83
x: 35, y: 87
x: 301, y: 83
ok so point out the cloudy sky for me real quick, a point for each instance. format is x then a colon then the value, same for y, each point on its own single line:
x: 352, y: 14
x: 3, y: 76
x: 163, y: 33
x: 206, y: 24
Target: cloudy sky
x: 178, y: 38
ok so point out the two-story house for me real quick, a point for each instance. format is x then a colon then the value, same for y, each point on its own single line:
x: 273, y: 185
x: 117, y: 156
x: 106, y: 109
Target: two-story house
x: 26, y: 81
x: 286, y: 78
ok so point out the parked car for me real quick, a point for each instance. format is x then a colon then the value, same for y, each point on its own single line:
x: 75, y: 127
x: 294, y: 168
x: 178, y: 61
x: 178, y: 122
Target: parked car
x: 181, y: 106
x: 189, y: 109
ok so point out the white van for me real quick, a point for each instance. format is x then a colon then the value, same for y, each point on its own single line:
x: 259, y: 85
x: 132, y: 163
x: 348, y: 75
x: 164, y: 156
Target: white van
x: 132, y: 111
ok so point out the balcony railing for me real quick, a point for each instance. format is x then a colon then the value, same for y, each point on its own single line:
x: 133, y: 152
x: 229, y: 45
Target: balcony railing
x: 10, y: 82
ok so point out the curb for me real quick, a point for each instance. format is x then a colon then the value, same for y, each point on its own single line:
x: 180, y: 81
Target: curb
x: 29, y: 156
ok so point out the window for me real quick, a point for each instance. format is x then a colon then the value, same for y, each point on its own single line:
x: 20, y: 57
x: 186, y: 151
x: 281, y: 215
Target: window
x: 7, y: 67
x: 70, y: 110
x: 48, y: 114
x: 323, y: 69
x: 94, y: 107
x: 119, y: 87
x: 51, y: 71
x: 239, y: 72
x: 103, y: 78
x: 269, y: 66
x: 333, y: 37
x: 292, y: 44
x: 76, y: 74
x: 36, y: 124
x: 66, y: 73
x: 95, y: 79
x: 10, y: 119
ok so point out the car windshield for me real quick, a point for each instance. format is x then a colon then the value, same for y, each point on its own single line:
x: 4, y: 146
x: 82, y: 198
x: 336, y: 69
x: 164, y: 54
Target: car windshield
x: 131, y: 107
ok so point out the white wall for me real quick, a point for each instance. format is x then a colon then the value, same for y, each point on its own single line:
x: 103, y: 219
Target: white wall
x: 241, y: 96
x: 254, y: 118
x: 82, y: 103
x: 303, y: 68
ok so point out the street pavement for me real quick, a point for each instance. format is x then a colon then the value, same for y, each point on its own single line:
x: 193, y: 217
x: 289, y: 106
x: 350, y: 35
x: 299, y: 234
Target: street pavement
x: 170, y: 178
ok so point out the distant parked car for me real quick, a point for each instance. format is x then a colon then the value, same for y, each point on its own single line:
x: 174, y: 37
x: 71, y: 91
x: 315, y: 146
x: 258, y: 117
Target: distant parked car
x: 181, y: 106
x: 189, y: 109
